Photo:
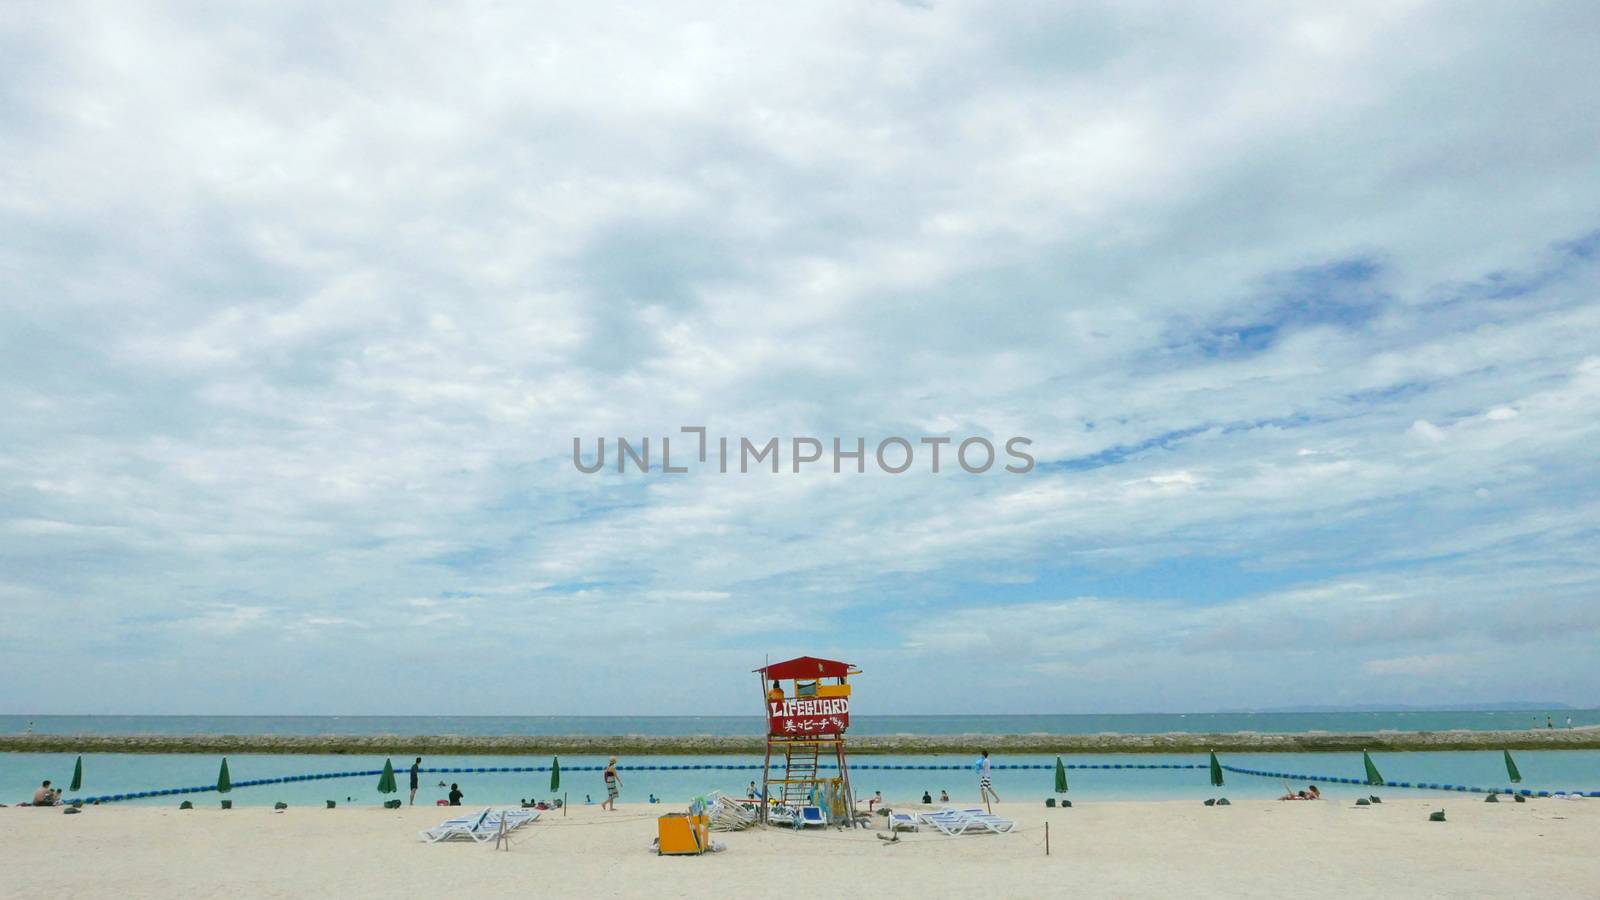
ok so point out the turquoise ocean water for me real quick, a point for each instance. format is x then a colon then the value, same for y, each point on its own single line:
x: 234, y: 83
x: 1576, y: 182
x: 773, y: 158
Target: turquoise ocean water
x: 125, y: 773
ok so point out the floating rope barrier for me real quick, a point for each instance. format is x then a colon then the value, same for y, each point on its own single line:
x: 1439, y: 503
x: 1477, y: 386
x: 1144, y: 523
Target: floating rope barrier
x: 910, y: 767
x: 697, y: 767
x: 1419, y: 785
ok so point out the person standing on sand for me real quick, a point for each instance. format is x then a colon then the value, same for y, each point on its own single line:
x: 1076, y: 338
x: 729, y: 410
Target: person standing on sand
x: 985, y: 786
x: 613, y: 785
x: 416, y: 769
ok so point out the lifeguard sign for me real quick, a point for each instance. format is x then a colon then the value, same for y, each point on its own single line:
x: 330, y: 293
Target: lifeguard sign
x: 808, y: 712
x: 813, y: 708
x: 802, y: 715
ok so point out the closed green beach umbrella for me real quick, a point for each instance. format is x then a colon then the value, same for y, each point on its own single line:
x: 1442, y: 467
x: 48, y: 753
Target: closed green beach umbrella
x: 1216, y: 770
x: 386, y: 783
x: 224, y: 783
x: 1511, y: 771
x: 77, y: 775
x: 1061, y: 777
x: 1372, y: 771
x: 555, y: 774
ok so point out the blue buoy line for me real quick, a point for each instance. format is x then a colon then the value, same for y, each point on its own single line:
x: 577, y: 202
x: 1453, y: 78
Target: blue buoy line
x: 472, y: 770
x: 925, y: 767
x: 1426, y: 786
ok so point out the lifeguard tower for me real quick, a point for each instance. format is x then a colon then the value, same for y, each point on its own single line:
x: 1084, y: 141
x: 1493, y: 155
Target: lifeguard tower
x: 808, y: 712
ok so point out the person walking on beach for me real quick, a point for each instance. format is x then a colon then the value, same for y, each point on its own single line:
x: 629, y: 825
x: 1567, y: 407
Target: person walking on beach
x: 416, y: 770
x: 985, y: 786
x: 613, y: 785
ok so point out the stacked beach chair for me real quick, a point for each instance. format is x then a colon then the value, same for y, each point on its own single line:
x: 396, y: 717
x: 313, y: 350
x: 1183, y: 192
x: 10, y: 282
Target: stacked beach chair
x: 480, y: 827
x: 971, y: 820
x: 728, y: 814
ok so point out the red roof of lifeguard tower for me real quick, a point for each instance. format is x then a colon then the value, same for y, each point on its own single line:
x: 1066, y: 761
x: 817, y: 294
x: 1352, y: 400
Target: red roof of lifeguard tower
x: 806, y: 667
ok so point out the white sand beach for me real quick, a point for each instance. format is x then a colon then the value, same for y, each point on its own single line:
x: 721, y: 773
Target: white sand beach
x: 1251, y: 849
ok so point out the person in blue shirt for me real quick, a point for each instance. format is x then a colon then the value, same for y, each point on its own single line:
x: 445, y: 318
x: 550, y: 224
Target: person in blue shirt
x: 985, y: 785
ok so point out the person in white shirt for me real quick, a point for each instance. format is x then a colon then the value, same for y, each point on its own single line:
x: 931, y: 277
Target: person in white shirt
x: 985, y: 786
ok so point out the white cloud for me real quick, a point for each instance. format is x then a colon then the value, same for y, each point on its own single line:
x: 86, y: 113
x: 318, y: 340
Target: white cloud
x: 303, y: 313
x: 1431, y: 664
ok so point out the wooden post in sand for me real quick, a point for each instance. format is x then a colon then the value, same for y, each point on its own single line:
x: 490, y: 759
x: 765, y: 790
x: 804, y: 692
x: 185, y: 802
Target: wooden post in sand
x: 563, y: 803
x: 1047, y: 839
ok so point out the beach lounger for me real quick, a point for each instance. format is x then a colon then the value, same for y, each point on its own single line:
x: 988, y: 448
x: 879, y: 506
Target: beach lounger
x: 779, y: 814
x: 516, y: 818
x: 950, y: 822
x: 968, y: 821
x: 454, y: 827
x: 810, y: 815
x: 992, y: 823
x: 482, y: 827
x: 728, y: 814
x: 903, y: 821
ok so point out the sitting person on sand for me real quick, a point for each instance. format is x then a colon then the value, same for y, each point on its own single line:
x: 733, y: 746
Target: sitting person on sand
x: 1312, y: 794
x: 874, y: 800
x: 44, y: 796
x: 944, y: 796
x: 927, y: 797
x: 456, y: 795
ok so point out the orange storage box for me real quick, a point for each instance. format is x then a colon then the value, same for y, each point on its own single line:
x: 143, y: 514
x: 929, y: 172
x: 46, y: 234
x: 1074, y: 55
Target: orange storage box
x: 682, y: 834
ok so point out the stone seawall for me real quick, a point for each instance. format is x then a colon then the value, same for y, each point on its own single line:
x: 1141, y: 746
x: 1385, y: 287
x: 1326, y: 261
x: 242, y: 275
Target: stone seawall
x: 901, y: 744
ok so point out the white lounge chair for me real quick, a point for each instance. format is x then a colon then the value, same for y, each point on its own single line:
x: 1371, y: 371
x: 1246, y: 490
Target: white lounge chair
x: 483, y: 827
x: 903, y: 821
x: 455, y: 827
x: 992, y: 823
x: 779, y: 814
x: 971, y: 820
x: 728, y: 814
x: 810, y: 815
x: 516, y: 818
x: 948, y: 821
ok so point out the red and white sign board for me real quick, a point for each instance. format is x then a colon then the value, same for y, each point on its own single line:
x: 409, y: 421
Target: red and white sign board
x: 808, y: 715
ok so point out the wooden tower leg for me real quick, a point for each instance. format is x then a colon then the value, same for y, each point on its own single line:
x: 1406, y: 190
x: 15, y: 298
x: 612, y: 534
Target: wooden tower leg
x: 766, y: 784
x: 844, y: 782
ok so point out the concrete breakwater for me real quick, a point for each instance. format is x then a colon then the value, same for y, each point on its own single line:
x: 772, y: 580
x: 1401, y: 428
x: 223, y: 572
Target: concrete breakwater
x: 889, y: 744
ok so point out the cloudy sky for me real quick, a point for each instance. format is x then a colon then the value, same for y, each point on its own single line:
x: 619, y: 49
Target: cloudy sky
x: 302, y: 309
